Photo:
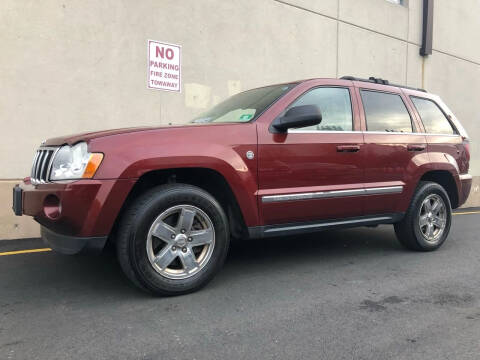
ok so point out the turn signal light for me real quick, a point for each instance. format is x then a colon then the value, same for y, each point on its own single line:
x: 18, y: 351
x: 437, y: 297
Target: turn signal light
x: 92, y: 166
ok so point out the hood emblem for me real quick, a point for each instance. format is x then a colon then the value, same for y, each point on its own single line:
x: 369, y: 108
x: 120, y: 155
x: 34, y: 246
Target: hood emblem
x: 250, y: 155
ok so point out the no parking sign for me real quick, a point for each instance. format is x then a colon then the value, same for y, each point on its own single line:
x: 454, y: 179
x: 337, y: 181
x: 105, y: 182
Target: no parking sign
x: 164, y: 66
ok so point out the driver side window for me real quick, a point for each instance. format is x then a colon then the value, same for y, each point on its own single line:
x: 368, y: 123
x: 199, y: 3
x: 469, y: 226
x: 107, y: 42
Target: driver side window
x: 335, y: 105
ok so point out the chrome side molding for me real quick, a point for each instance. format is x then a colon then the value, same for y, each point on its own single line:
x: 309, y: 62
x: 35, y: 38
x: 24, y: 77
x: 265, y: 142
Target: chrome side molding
x: 333, y: 194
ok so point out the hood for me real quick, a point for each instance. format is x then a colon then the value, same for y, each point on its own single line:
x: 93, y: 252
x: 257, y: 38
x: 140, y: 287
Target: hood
x: 75, y: 138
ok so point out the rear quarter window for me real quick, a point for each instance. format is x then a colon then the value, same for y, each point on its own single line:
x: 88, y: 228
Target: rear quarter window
x: 433, y: 119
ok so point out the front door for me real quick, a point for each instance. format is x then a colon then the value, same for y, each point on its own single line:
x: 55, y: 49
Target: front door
x: 313, y: 173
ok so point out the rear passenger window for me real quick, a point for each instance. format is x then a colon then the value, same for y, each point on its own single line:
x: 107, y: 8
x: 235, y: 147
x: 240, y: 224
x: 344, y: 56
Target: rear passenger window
x: 433, y: 118
x: 385, y: 112
x: 335, y: 106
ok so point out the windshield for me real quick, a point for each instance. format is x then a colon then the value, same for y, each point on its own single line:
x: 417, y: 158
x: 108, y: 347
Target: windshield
x: 245, y: 106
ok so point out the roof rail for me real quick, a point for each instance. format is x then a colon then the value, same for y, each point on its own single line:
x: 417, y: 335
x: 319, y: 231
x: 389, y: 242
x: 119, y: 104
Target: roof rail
x: 375, y: 80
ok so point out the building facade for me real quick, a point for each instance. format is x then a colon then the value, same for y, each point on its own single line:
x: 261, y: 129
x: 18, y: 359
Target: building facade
x: 75, y: 65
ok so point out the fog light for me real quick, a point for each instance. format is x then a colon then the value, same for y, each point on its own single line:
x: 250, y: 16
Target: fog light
x: 51, y: 207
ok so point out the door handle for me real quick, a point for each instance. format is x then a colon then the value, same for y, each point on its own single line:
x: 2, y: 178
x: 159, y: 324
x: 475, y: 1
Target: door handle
x: 416, y: 147
x: 348, y: 148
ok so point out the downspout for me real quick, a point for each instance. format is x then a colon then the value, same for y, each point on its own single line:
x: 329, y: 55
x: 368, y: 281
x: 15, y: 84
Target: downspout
x: 427, y: 34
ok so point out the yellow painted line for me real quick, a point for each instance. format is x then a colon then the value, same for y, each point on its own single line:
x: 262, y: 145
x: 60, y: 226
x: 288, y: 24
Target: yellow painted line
x: 24, y: 251
x: 467, y: 212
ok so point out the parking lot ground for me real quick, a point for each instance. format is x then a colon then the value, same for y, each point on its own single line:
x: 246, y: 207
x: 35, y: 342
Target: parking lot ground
x: 350, y: 294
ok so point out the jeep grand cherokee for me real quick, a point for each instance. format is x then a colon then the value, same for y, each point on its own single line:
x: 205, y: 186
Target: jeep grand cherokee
x: 283, y: 159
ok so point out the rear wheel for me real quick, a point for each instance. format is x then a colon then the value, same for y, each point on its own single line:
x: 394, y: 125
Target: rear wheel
x: 426, y: 224
x: 173, y: 239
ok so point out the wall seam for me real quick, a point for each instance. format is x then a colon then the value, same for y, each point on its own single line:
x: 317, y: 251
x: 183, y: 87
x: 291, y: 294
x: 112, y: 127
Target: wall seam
x: 456, y: 56
x: 343, y: 21
x: 338, y: 36
x: 374, y: 31
x: 408, y: 37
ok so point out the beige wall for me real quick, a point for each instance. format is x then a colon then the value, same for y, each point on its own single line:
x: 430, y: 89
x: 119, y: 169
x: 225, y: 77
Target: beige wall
x: 71, y: 66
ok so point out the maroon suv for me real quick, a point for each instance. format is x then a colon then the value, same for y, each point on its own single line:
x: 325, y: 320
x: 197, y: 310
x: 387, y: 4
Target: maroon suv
x: 277, y: 160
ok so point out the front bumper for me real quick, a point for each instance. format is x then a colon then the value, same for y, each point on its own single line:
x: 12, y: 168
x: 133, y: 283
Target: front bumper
x: 70, y: 245
x: 76, y: 215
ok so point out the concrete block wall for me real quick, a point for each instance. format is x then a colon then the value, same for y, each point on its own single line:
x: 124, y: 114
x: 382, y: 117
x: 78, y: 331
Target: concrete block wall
x: 80, y: 65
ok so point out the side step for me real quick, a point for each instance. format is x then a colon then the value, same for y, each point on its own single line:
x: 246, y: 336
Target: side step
x: 257, y: 232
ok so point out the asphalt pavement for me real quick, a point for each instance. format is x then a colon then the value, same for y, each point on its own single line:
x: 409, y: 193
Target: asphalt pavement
x: 349, y: 294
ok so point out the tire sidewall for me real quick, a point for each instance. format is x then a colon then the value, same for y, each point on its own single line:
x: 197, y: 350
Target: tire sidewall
x: 160, y: 201
x: 425, y: 191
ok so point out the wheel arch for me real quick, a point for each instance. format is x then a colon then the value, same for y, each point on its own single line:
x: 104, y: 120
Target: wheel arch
x: 207, y: 179
x: 445, y: 179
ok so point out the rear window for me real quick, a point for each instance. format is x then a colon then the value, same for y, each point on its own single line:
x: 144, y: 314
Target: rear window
x: 433, y: 118
x: 385, y: 112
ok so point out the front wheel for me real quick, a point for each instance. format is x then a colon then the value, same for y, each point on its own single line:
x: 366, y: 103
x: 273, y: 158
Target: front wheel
x: 173, y: 239
x: 427, y: 222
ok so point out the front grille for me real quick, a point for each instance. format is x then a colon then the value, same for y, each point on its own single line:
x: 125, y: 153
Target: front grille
x: 42, y: 164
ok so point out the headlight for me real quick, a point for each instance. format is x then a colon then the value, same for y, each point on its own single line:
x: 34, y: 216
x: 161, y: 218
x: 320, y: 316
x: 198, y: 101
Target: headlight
x: 75, y: 162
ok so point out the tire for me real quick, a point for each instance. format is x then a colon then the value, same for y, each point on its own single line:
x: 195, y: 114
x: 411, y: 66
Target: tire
x: 157, y: 255
x: 421, y: 229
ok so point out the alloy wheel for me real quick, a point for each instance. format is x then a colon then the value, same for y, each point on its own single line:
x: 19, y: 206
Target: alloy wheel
x: 180, y: 241
x: 432, y: 219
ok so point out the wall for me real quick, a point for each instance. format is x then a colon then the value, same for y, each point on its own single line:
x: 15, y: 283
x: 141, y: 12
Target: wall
x: 71, y: 66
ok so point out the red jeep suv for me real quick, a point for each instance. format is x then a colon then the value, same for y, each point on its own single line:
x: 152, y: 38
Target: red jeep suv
x: 283, y: 159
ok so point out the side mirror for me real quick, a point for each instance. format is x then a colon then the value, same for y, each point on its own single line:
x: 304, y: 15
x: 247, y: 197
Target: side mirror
x: 298, y: 117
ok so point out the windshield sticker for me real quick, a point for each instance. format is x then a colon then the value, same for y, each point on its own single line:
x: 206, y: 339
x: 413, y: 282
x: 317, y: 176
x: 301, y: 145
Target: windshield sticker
x: 246, y: 117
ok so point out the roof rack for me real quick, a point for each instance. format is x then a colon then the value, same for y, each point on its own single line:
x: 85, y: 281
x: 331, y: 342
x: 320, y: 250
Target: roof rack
x: 375, y: 80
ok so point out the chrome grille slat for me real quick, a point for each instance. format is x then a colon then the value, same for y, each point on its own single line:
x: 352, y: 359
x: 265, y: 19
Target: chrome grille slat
x: 42, y: 164
x: 34, y: 166
x: 50, y: 163
x: 39, y: 163
x: 43, y: 171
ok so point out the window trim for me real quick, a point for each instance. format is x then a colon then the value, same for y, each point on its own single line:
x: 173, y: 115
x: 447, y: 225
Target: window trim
x: 300, y: 131
x: 455, y: 130
x: 413, y: 125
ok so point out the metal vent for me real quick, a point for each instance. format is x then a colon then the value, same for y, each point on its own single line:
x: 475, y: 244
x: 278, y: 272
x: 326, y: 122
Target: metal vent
x: 42, y: 164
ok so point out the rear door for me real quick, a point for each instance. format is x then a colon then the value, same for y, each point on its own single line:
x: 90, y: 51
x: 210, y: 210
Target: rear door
x: 313, y: 173
x: 393, y: 145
